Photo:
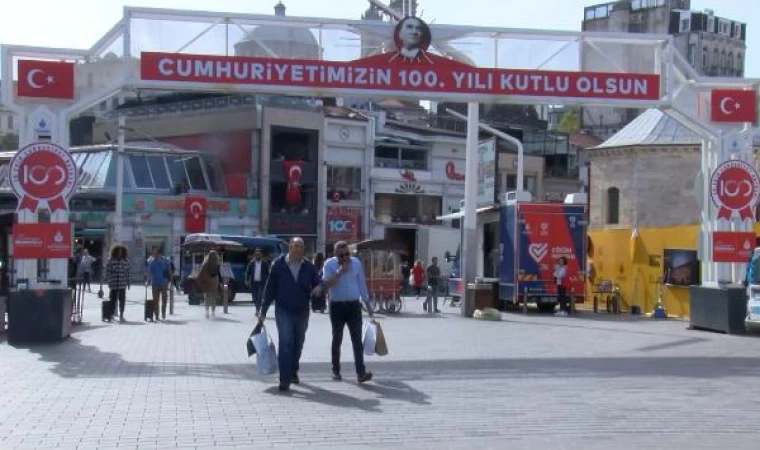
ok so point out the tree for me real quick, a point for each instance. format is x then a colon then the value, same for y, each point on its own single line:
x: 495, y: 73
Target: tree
x: 570, y: 122
x: 9, y: 142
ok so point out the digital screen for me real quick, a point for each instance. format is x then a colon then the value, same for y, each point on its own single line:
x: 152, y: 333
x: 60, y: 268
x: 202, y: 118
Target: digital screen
x: 681, y: 267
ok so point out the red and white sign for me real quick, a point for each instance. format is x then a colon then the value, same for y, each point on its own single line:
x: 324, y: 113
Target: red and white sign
x: 43, y: 175
x: 42, y: 240
x: 732, y: 247
x: 293, y: 174
x: 451, y: 172
x: 735, y: 188
x: 733, y: 105
x: 437, y: 75
x: 45, y: 79
x: 196, y: 209
x: 343, y: 224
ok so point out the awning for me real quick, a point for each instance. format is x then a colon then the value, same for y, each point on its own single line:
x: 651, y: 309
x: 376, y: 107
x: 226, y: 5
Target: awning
x: 460, y: 214
x: 88, y: 232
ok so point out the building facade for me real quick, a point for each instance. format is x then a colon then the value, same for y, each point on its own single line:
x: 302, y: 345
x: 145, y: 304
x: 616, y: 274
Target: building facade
x: 712, y: 45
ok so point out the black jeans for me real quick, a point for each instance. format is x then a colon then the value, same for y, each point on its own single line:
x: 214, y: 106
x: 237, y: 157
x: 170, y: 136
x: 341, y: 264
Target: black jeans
x: 562, y: 299
x: 342, y: 314
x: 121, y: 296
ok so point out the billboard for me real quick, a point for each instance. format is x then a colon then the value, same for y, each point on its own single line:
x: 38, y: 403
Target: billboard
x: 487, y: 173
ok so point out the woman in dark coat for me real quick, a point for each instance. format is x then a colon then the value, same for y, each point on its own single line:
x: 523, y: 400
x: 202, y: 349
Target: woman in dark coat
x: 319, y: 302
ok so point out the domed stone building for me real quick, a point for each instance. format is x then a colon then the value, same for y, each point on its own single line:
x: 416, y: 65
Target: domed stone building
x: 284, y: 42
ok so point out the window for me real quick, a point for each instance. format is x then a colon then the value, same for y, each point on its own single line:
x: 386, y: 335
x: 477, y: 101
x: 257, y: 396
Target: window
x: 711, y: 24
x: 685, y: 24
x: 214, y: 175
x: 10, y: 122
x: 716, y: 58
x: 601, y: 12
x: 740, y: 63
x: 704, y: 57
x: 158, y: 170
x: 590, y: 14
x: 140, y: 171
x: 177, y: 171
x: 738, y: 30
x: 636, y: 4
x: 730, y: 61
x: 724, y: 27
x: 401, y: 158
x: 613, y: 206
x: 693, y: 54
x: 344, y: 178
x: 413, y: 159
x: 195, y: 174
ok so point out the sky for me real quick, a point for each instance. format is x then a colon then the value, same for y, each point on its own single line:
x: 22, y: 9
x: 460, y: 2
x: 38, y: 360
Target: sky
x: 80, y: 23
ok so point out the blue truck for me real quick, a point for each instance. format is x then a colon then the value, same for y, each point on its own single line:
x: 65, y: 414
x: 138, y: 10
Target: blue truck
x: 532, y: 237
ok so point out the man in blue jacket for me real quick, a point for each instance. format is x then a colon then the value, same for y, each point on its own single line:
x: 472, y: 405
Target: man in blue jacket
x: 292, y: 281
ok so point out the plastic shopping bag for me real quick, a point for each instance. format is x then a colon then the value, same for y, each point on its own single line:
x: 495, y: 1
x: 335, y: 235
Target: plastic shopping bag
x: 250, y: 348
x: 368, y: 331
x: 266, y: 353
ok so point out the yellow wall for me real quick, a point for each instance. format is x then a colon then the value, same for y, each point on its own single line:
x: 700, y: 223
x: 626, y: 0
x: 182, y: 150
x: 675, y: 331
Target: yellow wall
x: 635, y: 267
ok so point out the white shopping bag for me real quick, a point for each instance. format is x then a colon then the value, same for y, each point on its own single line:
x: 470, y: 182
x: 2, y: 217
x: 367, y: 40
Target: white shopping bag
x: 369, y: 335
x: 266, y: 353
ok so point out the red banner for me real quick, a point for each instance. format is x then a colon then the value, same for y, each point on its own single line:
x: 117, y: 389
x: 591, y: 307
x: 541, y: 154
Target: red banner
x: 732, y: 247
x: 43, y: 175
x: 196, y: 208
x: 42, y: 240
x: 45, y: 79
x: 733, y: 105
x: 293, y: 173
x: 343, y: 224
x: 735, y: 189
x: 425, y: 74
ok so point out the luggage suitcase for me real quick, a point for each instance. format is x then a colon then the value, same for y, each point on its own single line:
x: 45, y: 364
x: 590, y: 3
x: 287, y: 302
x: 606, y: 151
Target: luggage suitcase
x: 107, y: 310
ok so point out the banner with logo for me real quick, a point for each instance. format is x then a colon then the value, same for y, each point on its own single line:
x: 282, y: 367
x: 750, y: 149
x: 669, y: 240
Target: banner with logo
x: 487, y: 173
x: 735, y: 189
x: 196, y: 209
x: 409, y: 69
x: 732, y: 247
x: 343, y: 224
x: 42, y: 240
x: 43, y: 176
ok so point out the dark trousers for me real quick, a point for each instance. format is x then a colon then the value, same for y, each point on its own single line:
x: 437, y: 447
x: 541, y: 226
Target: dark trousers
x: 256, y: 290
x: 119, y: 295
x: 342, y: 314
x: 562, y: 299
x: 86, y: 277
x: 291, y: 329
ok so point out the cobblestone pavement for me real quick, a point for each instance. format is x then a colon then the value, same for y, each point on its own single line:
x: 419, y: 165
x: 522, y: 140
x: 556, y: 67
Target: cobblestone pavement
x: 535, y: 381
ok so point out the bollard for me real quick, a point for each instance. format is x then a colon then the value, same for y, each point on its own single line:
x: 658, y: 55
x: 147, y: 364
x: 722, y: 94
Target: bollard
x: 525, y: 301
x: 596, y: 304
x: 171, y: 300
x: 572, y: 301
x: 225, y: 296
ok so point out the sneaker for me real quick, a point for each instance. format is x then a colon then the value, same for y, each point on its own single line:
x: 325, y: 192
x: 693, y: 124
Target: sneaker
x: 121, y: 318
x: 336, y: 376
x: 365, y: 377
x: 283, y: 387
x: 294, y: 379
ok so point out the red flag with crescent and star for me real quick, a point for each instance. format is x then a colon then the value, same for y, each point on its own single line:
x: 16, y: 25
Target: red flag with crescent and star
x: 293, y: 174
x: 45, y: 79
x: 196, y: 208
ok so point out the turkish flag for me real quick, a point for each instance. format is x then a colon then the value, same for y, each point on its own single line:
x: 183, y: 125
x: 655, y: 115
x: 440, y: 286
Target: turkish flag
x: 196, y: 207
x: 45, y: 79
x: 733, y: 105
x: 293, y: 173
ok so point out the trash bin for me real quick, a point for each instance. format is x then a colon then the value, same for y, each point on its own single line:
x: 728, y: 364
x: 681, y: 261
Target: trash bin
x: 478, y: 296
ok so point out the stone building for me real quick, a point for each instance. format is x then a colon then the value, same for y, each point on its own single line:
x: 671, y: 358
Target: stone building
x: 642, y: 179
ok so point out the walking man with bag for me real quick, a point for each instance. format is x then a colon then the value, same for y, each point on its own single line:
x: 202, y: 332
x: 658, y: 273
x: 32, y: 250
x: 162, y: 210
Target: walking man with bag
x: 344, y: 278
x: 292, y: 281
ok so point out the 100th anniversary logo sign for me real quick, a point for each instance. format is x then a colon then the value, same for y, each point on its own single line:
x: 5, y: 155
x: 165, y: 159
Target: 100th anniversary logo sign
x: 735, y: 189
x: 43, y: 176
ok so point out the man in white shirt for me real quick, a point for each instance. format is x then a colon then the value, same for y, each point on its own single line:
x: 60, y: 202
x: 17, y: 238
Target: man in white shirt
x: 256, y: 275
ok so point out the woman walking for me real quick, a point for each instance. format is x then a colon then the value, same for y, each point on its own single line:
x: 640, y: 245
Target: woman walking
x: 319, y: 302
x: 418, y: 276
x: 210, y: 287
x: 117, y: 273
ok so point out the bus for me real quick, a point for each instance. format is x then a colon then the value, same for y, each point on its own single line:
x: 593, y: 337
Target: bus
x: 271, y: 247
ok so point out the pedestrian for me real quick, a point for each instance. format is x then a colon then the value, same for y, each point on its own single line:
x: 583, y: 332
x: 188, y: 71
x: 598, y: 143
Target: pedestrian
x: 85, y: 269
x: 560, y: 278
x: 434, y: 279
x: 117, y: 274
x: 256, y: 274
x: 418, y: 277
x: 319, y: 302
x: 292, y: 281
x: 211, y: 272
x: 345, y: 279
x: 406, y: 272
x: 160, y: 277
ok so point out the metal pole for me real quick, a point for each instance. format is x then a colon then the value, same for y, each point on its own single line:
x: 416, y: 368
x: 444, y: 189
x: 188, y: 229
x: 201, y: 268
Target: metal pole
x: 117, y: 223
x: 470, y: 228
